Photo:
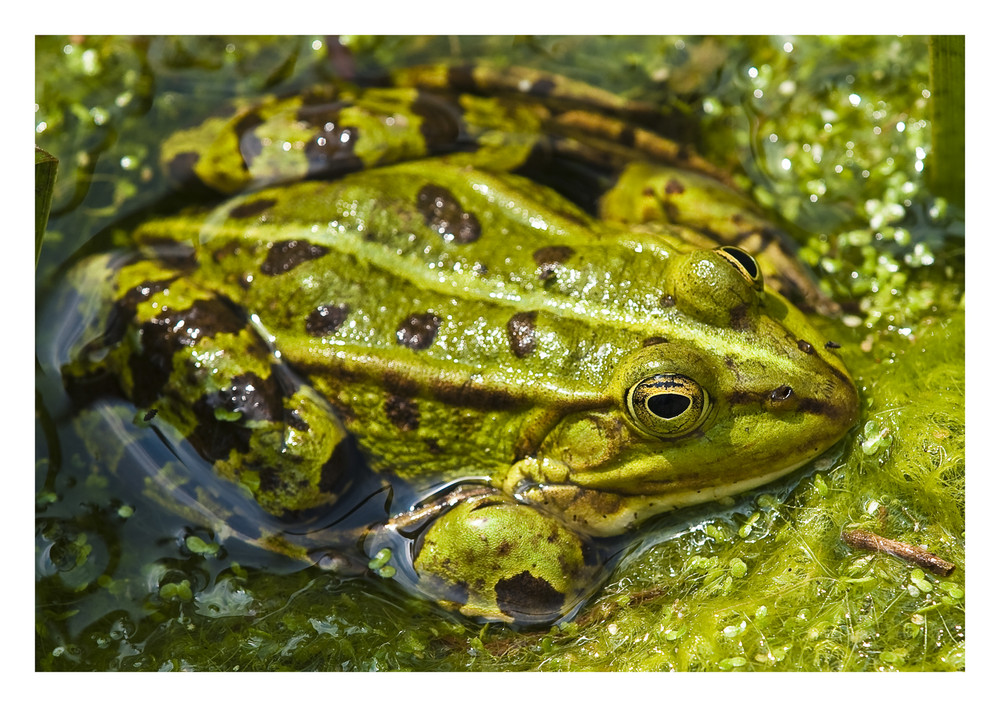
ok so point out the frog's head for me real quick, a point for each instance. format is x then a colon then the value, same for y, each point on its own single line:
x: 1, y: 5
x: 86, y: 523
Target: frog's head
x: 743, y: 391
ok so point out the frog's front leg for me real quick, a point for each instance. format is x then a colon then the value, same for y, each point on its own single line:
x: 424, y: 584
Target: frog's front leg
x: 479, y: 551
x: 193, y: 361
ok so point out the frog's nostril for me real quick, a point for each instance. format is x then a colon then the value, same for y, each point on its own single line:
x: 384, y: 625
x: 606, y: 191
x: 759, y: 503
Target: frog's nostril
x: 782, y: 393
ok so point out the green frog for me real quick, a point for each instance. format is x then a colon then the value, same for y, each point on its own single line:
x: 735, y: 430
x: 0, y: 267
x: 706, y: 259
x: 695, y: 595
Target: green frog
x: 491, y: 306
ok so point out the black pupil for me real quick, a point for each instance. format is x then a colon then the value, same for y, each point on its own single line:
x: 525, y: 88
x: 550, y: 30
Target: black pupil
x: 668, y: 405
x: 744, y: 259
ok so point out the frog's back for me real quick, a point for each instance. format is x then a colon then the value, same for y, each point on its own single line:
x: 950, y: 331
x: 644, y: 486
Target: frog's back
x: 486, y: 312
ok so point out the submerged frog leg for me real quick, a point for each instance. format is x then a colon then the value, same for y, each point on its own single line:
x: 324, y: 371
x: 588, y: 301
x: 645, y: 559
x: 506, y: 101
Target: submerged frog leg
x: 331, y: 133
x: 616, y: 143
x: 172, y: 346
x: 480, y: 552
x: 517, y: 81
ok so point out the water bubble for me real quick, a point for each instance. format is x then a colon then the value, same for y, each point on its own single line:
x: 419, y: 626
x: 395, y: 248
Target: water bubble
x: 99, y: 115
x: 90, y: 65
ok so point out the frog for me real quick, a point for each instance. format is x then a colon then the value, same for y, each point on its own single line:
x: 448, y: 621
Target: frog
x: 395, y: 298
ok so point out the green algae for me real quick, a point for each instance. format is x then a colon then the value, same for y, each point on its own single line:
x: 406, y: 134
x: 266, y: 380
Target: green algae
x: 834, y: 144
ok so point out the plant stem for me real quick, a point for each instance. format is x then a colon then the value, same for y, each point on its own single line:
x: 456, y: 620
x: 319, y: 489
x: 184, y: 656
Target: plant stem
x: 947, y: 164
x: 45, y: 181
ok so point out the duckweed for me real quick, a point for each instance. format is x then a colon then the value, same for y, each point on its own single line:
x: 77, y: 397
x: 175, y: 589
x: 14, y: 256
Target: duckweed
x: 199, y: 546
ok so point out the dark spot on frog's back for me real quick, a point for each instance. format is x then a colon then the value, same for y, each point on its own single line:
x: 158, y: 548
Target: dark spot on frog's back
x: 250, y: 144
x: 462, y: 77
x: 331, y: 148
x: 444, y: 214
x: 204, y: 318
x: 325, y: 319
x: 295, y: 421
x: 249, y: 209
x: 521, y: 333
x: 344, y: 459
x: 248, y: 399
x: 440, y: 123
x: 254, y: 398
x: 227, y: 251
x: 402, y: 412
x: 180, y: 169
x: 215, y: 439
x: 417, y: 331
x: 285, y: 255
x: 674, y: 187
x: 171, y: 331
x: 549, y: 258
x: 269, y: 479
x: 525, y: 595
x: 125, y: 308
x: 542, y: 87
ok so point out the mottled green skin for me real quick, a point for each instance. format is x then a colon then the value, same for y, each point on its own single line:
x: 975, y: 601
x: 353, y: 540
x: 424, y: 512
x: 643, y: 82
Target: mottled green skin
x: 463, y: 323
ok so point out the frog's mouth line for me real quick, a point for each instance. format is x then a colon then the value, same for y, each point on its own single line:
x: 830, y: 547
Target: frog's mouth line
x: 672, y: 500
x: 609, y: 513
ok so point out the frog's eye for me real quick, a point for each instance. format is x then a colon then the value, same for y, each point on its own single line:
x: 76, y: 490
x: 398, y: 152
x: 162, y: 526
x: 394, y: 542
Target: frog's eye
x: 744, y: 263
x: 667, y: 404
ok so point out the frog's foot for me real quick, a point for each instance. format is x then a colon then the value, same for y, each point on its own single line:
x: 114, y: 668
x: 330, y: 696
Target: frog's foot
x: 478, y: 551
